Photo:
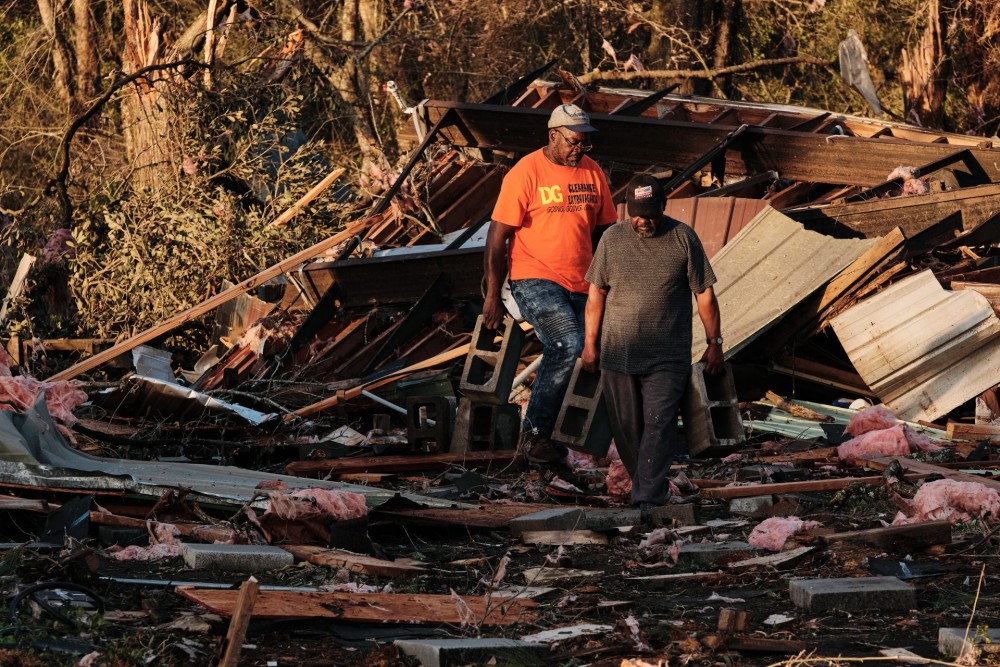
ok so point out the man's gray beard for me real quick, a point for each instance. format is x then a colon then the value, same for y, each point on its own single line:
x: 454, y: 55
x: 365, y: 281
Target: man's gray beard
x: 646, y: 234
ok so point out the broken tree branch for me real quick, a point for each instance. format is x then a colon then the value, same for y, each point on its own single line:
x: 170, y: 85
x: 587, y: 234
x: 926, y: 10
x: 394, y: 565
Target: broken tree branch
x: 702, y: 74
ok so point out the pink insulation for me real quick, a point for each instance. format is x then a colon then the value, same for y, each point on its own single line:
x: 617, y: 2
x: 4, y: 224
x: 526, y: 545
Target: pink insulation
x: 311, y: 503
x: 20, y: 392
x: 580, y: 461
x: 952, y: 500
x: 163, y: 544
x: 774, y: 532
x: 899, y: 440
x: 618, y: 481
x: 886, y: 442
x: 875, y: 418
x: 271, y: 485
x: 912, y: 185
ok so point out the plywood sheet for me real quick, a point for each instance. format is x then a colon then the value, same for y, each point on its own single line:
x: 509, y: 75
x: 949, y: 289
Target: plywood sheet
x: 769, y: 267
x: 922, y: 349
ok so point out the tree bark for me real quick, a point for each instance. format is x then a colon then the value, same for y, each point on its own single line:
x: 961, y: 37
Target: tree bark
x: 62, y: 68
x: 146, y: 122
x: 85, y: 46
x: 924, y: 71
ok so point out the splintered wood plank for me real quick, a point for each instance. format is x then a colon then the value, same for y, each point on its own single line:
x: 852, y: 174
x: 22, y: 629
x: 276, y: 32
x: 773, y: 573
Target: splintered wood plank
x: 787, y: 487
x: 535, y: 576
x: 919, y: 467
x: 560, y: 537
x: 659, y: 581
x: 24, y: 504
x: 369, y: 607
x: 778, y: 560
x: 400, y: 463
x: 402, y: 567
x: 957, y: 431
x: 897, y: 537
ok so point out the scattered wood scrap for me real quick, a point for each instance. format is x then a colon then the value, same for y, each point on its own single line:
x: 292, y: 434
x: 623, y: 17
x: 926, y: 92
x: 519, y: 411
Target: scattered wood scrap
x: 778, y: 561
x: 536, y: 576
x: 401, y: 567
x: 909, y: 537
x: 369, y: 607
x: 563, y: 537
x: 793, y: 487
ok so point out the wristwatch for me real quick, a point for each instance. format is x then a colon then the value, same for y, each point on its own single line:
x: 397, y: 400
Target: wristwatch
x: 714, y: 341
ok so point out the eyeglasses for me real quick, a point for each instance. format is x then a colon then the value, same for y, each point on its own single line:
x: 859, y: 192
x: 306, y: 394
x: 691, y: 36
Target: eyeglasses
x: 583, y: 144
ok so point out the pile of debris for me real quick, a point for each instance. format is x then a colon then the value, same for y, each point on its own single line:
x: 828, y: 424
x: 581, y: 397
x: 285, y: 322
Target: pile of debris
x: 348, y: 437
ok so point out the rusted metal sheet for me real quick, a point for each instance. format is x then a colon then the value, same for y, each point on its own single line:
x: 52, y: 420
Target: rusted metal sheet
x: 768, y: 268
x: 922, y: 349
x: 715, y: 220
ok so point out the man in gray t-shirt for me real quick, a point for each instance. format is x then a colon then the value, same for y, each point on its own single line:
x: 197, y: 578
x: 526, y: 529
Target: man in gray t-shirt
x: 639, y: 307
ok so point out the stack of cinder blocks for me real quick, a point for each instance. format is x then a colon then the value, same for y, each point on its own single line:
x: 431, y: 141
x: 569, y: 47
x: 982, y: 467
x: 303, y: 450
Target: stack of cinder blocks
x: 486, y: 420
x: 583, y: 422
x: 711, y: 413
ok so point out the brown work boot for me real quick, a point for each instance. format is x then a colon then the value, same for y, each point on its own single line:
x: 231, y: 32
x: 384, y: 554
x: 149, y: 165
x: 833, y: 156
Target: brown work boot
x: 538, y: 448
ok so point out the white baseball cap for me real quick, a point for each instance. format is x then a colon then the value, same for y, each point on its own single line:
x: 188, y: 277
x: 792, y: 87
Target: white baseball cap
x: 571, y: 117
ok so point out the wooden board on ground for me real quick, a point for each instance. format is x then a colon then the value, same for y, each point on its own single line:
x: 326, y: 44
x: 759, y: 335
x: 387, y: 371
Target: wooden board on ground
x: 924, y: 469
x: 563, y: 537
x: 779, y: 560
x: 538, y: 576
x: 761, y: 645
x: 792, y: 487
x: 487, y: 516
x: 913, y: 536
x: 658, y: 581
x: 368, y: 607
x: 401, y: 567
x: 24, y: 504
x: 401, y: 463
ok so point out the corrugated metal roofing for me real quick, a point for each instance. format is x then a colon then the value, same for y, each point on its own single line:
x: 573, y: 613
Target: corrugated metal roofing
x: 715, y: 220
x: 768, y: 268
x: 922, y: 349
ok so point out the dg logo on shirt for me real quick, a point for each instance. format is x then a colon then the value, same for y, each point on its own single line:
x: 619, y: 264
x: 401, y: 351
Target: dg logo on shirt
x: 550, y: 194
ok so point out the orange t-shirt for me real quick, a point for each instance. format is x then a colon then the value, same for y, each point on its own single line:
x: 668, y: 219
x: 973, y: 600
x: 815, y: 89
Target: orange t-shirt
x: 555, y: 209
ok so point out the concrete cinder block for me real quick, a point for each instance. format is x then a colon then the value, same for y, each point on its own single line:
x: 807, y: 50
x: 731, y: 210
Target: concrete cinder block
x: 852, y: 594
x: 490, y: 368
x: 430, y: 419
x: 607, y: 519
x: 953, y: 642
x: 475, y: 651
x: 485, y: 427
x: 235, y: 557
x: 714, y: 554
x: 557, y: 518
x: 583, y: 423
x: 711, y: 413
x: 667, y: 515
x: 754, y: 506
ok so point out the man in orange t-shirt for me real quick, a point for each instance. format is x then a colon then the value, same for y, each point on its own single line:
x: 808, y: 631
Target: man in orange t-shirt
x: 553, y: 205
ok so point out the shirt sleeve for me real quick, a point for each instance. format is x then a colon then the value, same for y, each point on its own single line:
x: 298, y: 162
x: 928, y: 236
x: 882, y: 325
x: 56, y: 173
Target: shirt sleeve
x: 607, y: 215
x: 701, y: 276
x: 597, y: 274
x: 514, y: 198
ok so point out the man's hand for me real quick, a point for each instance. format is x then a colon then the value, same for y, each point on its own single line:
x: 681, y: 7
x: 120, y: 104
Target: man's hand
x: 713, y: 359
x: 590, y: 358
x: 493, y: 313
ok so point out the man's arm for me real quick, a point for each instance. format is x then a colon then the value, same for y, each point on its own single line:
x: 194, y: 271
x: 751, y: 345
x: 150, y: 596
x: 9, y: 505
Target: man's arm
x: 593, y: 315
x: 495, y: 267
x: 711, y: 319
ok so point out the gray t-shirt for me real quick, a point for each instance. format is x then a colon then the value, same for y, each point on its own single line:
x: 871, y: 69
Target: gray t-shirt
x: 647, y: 314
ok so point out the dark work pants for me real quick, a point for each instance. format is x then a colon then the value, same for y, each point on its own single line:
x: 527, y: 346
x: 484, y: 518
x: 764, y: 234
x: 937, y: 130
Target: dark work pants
x: 643, y: 413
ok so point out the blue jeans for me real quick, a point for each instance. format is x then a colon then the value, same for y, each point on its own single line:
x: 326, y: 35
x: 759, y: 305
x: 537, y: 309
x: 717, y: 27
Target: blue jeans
x: 557, y: 315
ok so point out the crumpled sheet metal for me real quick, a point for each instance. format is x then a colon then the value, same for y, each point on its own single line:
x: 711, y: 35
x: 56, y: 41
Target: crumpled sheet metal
x: 171, y: 401
x: 33, y: 453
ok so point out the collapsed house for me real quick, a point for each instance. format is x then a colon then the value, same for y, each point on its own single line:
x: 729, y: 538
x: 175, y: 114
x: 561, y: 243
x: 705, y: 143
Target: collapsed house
x: 855, y: 259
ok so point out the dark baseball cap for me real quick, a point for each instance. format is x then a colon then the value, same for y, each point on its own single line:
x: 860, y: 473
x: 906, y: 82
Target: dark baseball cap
x: 645, y: 197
